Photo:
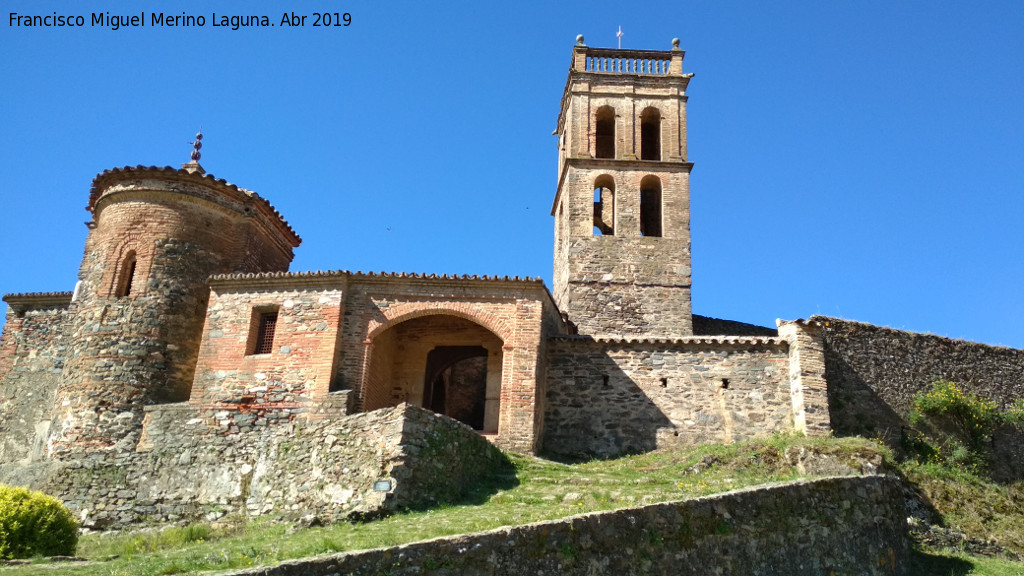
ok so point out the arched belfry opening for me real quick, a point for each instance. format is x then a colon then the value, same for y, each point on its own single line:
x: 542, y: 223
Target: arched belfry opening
x: 650, y: 206
x: 445, y: 363
x: 604, y: 133
x: 650, y: 134
x: 604, y: 206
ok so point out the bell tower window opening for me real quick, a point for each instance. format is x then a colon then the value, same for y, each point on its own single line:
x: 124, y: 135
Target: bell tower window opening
x: 261, y: 331
x: 124, y: 283
x: 650, y: 207
x: 604, y: 133
x: 650, y: 134
x: 604, y: 206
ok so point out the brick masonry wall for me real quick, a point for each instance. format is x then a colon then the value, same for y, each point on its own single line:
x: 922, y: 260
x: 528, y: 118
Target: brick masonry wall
x: 186, y: 471
x: 607, y: 398
x: 274, y: 387
x: 512, y: 311
x: 398, y: 367
x: 370, y: 334
x: 32, y: 350
x: 846, y: 525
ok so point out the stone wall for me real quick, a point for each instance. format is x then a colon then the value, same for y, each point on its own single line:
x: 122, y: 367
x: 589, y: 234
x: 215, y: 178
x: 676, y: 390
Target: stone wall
x: 183, y: 470
x: 624, y: 284
x: 847, y: 525
x: 708, y: 326
x: 874, y: 373
x: 609, y: 397
x: 32, y: 352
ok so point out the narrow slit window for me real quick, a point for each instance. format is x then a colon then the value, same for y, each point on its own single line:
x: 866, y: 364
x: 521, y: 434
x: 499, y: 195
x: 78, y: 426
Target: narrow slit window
x: 266, y: 326
x: 124, y: 283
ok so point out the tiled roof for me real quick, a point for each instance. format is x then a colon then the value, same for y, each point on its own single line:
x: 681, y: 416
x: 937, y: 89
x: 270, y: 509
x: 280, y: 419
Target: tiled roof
x: 98, y: 181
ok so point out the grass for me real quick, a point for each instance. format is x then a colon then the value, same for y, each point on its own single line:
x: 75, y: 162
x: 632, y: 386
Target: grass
x: 544, y: 490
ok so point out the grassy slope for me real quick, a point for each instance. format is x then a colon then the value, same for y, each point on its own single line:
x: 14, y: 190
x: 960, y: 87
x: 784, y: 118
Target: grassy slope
x: 540, y: 490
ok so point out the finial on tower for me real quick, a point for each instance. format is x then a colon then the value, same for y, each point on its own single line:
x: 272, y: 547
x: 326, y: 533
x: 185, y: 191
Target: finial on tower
x: 579, y: 40
x: 675, y: 43
x: 197, y: 145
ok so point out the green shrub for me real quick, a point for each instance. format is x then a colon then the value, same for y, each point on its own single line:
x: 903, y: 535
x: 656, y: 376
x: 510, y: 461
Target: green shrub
x: 976, y: 416
x: 1015, y: 413
x: 34, y: 524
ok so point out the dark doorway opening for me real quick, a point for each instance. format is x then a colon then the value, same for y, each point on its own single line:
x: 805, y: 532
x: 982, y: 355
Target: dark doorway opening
x: 456, y: 383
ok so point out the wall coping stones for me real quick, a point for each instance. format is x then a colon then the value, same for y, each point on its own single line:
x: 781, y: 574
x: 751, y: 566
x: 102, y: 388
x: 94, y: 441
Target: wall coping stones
x: 824, y: 320
x: 32, y: 299
x: 680, y: 341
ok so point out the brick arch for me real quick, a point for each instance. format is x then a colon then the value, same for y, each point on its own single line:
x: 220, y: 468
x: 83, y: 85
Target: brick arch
x: 400, y: 313
x: 130, y: 243
x: 380, y: 386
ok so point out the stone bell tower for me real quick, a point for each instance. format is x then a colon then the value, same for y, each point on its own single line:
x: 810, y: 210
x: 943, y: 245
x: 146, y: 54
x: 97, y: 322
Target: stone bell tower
x: 622, y: 207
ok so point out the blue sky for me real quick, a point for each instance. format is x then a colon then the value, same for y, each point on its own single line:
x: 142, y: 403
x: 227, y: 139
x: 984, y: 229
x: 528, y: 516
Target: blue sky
x: 857, y: 159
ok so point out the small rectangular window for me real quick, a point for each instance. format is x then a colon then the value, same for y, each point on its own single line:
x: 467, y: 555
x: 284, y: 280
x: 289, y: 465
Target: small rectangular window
x: 265, y: 326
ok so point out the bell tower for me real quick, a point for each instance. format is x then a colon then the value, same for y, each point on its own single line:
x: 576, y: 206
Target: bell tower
x: 622, y: 206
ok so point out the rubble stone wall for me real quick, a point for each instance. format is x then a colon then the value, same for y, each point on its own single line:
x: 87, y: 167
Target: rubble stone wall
x: 845, y: 525
x: 606, y: 398
x: 874, y: 373
x: 182, y: 470
x: 624, y: 283
x: 32, y: 353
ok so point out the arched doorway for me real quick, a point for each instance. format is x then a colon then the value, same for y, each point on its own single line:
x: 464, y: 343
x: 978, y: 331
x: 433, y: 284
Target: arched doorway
x: 445, y: 363
x: 456, y: 383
